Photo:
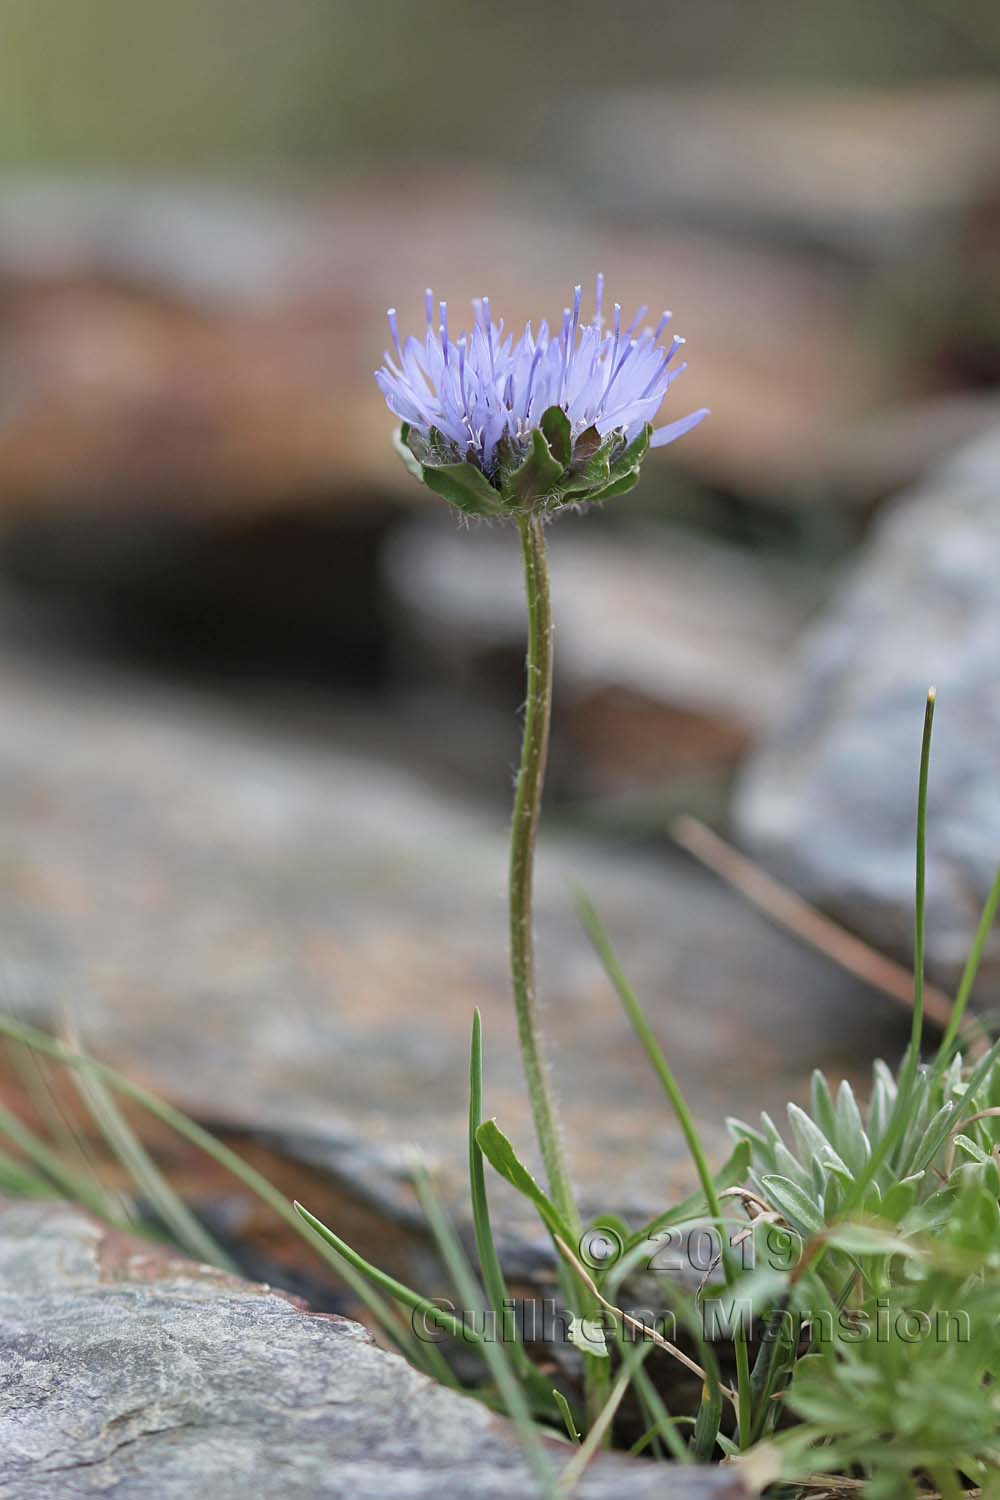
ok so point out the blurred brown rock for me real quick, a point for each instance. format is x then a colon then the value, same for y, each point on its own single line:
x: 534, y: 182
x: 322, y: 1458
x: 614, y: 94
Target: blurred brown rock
x: 188, y: 424
x: 207, y: 351
x: 117, y: 398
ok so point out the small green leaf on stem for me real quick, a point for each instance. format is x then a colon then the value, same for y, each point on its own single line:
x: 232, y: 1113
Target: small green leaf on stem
x: 504, y: 1159
x: 566, y: 1412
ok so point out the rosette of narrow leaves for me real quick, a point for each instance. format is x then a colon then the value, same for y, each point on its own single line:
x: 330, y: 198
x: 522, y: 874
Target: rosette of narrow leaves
x: 555, y: 471
x: 908, y: 1384
x: 891, y: 1280
x: 824, y: 1167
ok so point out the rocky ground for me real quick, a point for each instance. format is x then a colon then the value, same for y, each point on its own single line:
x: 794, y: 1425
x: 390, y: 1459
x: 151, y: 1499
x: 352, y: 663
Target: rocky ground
x: 126, y: 1370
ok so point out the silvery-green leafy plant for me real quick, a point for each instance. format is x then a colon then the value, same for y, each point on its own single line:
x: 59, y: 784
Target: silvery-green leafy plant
x: 910, y: 1388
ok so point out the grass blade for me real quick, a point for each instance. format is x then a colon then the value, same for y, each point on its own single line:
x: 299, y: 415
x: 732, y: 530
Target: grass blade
x: 969, y: 974
x: 598, y: 936
x: 492, y: 1350
x: 489, y: 1260
x: 398, y: 1290
x: 149, y: 1181
x: 588, y: 1449
x: 908, y: 1072
x: 707, y: 1424
x: 73, y: 1186
x: 595, y: 931
x: 633, y: 1360
x: 18, y: 1180
x: 33, y: 1076
x: 566, y: 1412
x: 920, y: 902
x: 254, y: 1181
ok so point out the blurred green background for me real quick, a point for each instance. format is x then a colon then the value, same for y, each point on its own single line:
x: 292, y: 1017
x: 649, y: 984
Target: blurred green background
x: 260, y: 83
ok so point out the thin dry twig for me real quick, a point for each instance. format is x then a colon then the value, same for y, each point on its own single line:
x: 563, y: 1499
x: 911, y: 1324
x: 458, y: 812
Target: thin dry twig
x: 635, y: 1324
x: 790, y: 911
x: 983, y: 1114
x: 748, y: 1199
x: 845, y: 1484
x: 834, y: 1482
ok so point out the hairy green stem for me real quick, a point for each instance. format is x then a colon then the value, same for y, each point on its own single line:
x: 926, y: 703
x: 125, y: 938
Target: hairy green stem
x: 524, y: 829
x: 527, y: 807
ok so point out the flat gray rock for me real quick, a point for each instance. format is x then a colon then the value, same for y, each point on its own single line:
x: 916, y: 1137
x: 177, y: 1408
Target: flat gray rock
x: 124, y: 1371
x: 830, y: 799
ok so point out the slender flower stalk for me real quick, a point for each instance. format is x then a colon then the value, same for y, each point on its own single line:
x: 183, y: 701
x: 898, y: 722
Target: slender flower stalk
x: 524, y: 829
x: 527, y: 808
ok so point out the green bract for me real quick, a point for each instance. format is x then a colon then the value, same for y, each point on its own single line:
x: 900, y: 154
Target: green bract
x: 554, y: 471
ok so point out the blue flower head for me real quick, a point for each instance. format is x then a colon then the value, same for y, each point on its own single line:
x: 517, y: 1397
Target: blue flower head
x: 498, y: 427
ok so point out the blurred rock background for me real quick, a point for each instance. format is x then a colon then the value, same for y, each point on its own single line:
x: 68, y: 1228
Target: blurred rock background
x: 257, y: 690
